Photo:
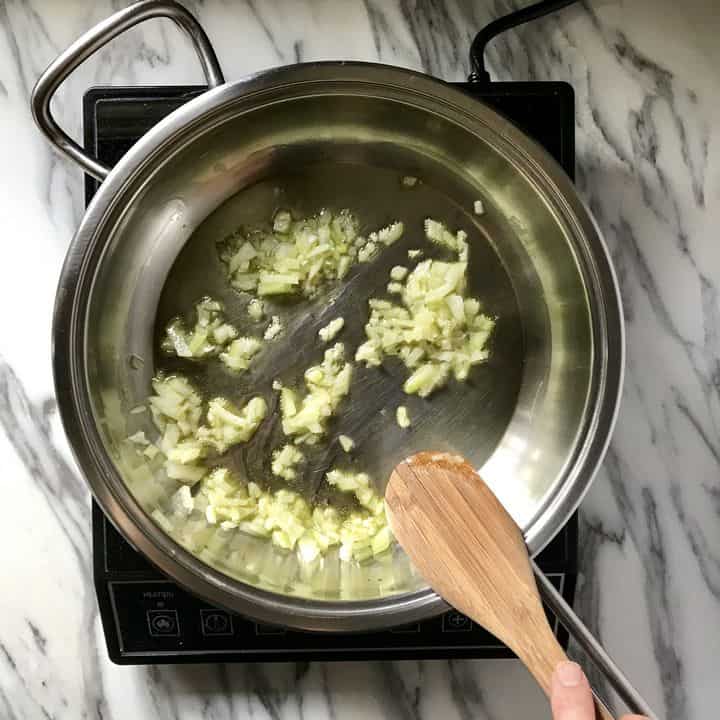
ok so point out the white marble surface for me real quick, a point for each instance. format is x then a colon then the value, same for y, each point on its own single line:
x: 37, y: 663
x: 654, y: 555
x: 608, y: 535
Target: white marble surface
x: 648, y: 134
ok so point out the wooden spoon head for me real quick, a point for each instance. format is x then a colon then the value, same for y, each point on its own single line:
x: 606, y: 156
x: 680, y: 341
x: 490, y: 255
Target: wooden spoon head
x: 465, y: 544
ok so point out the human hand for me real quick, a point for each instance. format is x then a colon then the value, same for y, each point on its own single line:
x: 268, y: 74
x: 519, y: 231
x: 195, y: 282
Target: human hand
x: 571, y: 697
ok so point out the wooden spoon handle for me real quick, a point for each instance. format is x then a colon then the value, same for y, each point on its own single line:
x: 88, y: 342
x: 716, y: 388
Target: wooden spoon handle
x: 545, y: 656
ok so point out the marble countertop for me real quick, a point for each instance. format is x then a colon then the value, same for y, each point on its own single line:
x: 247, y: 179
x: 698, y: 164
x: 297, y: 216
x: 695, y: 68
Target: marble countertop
x: 646, y: 78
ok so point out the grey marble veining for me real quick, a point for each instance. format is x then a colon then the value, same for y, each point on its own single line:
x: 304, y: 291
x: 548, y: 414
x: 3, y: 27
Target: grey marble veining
x: 648, y: 120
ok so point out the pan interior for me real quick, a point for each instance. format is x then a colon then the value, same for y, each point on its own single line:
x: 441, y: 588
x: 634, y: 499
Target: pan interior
x: 469, y: 417
x: 518, y: 418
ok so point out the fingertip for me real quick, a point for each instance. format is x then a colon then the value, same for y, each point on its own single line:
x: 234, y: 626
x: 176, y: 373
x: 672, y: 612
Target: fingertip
x: 569, y: 675
x: 571, y: 696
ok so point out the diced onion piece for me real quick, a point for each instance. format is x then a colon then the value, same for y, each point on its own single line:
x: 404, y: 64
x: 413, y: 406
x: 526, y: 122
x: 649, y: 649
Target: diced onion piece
x: 182, y: 502
x: 274, y: 283
x: 478, y: 207
x: 347, y: 481
x: 390, y: 234
x: 426, y: 378
x: 151, y: 452
x: 346, y: 443
x: 437, y: 233
x: 367, y: 252
x: 229, y: 425
x: 189, y: 474
x: 398, y: 273
x: 227, y: 498
x: 409, y: 181
x: 402, y: 416
x: 308, y: 549
x: 327, y: 384
x: 364, y: 533
x: 285, y: 460
x: 209, y: 336
x: 256, y: 309
x: 175, y: 401
x: 282, y: 221
x: 186, y: 452
x: 273, y: 329
x: 381, y: 541
x: 330, y: 331
x: 240, y: 353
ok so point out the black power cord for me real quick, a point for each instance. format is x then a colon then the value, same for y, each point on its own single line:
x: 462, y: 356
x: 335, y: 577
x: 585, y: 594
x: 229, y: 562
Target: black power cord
x: 477, y: 49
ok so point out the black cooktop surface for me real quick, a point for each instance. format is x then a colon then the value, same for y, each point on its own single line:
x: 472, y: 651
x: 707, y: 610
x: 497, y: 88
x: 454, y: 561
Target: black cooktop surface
x: 149, y: 619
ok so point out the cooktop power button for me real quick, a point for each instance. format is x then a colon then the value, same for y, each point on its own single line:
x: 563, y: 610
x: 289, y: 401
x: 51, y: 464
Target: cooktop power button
x: 215, y: 622
x: 163, y: 623
x: 454, y: 621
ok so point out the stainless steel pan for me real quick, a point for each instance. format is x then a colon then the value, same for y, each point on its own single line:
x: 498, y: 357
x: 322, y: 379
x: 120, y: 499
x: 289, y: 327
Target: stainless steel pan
x: 536, y: 419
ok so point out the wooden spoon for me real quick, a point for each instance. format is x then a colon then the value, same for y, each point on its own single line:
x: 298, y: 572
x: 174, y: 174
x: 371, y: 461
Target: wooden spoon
x: 472, y: 553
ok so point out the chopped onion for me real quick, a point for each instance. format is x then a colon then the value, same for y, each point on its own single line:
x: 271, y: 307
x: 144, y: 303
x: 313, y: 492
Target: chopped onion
x: 437, y: 233
x: 402, y: 416
x: 347, y: 481
x: 273, y: 329
x: 298, y: 257
x: 398, y: 273
x: 367, y: 252
x: 209, y: 336
x: 285, y: 460
x: 327, y: 384
x: 182, y: 502
x: 330, y: 331
x: 256, y: 309
x: 287, y: 519
x: 432, y: 327
x: 175, y: 402
x: 436, y: 331
x: 346, y: 443
x: 229, y: 425
x: 282, y: 221
x: 240, y: 353
x: 151, y: 452
x: 359, y: 531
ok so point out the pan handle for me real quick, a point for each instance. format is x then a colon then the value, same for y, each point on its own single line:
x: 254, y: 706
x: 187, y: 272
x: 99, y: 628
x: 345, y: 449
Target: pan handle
x: 93, y: 40
x: 596, y: 652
